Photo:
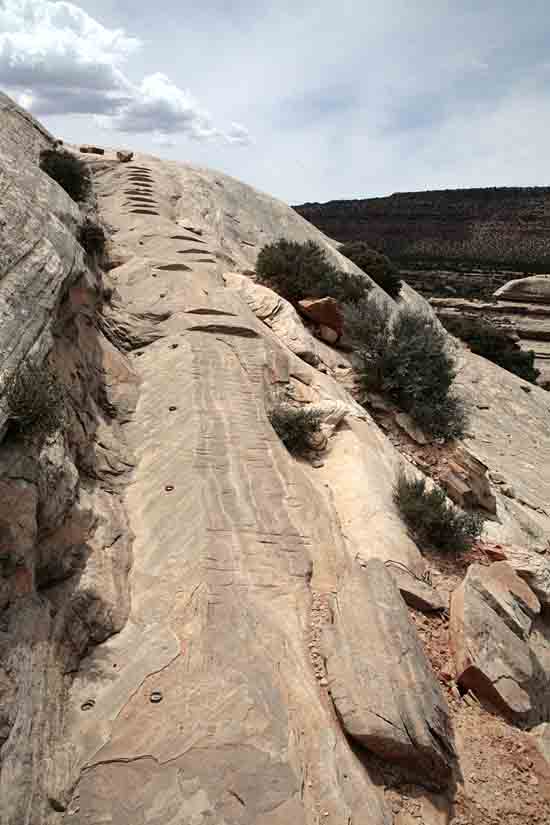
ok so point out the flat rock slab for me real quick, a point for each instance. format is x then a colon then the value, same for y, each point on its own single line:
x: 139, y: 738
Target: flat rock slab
x: 531, y: 566
x: 416, y: 592
x: 491, y: 616
x: 382, y: 685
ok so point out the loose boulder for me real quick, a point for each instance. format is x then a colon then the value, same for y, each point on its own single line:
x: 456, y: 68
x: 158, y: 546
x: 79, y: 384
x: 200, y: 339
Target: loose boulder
x: 382, y: 685
x: 535, y: 289
x: 325, y: 312
x: 530, y: 565
x: 92, y: 150
x: 491, y: 617
x: 466, y: 481
x: 124, y: 157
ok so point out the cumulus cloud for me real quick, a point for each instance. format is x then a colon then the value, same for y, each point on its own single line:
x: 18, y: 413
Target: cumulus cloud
x: 56, y: 59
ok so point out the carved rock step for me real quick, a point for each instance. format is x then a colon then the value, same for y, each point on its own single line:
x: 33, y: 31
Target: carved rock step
x: 381, y: 682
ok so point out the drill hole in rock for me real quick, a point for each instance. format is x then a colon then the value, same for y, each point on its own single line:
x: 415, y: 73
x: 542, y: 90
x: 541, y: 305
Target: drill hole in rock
x: 88, y: 704
x: 169, y: 488
x: 172, y: 409
x: 155, y: 697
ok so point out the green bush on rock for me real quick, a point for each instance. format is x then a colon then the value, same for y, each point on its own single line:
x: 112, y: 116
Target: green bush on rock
x: 68, y: 171
x: 36, y: 401
x: 302, y: 270
x: 493, y: 343
x: 405, y: 356
x: 382, y: 271
x: 295, y: 426
x: 432, y: 519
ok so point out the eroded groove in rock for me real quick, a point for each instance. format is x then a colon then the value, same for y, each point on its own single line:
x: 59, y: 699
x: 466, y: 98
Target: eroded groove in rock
x: 254, y: 646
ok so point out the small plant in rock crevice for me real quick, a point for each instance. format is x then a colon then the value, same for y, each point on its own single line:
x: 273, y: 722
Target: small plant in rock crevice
x: 36, y: 402
x: 68, y: 171
x: 302, y: 270
x: 431, y: 518
x: 295, y: 426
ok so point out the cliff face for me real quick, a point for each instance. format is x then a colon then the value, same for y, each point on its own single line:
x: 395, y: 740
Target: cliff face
x: 196, y: 626
x: 506, y: 228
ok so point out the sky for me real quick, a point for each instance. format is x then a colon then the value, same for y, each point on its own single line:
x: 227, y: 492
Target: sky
x: 309, y: 101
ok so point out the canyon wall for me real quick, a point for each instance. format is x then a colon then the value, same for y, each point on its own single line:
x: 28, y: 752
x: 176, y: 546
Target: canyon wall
x: 501, y: 228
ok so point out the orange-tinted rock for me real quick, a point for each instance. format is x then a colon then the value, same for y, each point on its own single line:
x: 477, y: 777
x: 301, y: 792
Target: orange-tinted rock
x: 325, y: 312
x: 491, y: 616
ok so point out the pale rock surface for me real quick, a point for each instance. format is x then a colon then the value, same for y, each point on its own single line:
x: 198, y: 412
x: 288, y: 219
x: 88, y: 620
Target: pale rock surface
x: 534, y: 289
x: 531, y: 566
x: 382, y: 686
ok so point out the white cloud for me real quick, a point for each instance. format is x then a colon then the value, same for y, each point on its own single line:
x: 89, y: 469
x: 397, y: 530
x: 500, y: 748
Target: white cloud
x: 55, y: 58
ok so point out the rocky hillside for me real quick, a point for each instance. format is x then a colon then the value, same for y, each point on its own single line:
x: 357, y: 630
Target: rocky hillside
x: 502, y: 228
x: 198, y: 627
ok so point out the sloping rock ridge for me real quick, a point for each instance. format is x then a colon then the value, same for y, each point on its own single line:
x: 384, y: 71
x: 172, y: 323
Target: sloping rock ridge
x: 195, y: 626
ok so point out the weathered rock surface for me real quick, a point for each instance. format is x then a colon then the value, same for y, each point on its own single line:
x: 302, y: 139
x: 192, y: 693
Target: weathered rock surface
x: 415, y: 591
x: 325, y: 312
x: 187, y: 686
x: 383, y: 687
x: 66, y: 543
x: 492, y: 612
x: 526, y: 320
x: 466, y: 481
x: 124, y: 156
x: 532, y: 290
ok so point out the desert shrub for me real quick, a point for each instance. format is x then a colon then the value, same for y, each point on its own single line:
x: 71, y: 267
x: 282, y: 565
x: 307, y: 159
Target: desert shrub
x: 36, y: 401
x: 68, y: 171
x: 295, y: 426
x: 405, y: 356
x: 302, y: 270
x: 431, y: 518
x: 367, y: 325
x: 382, y: 271
x: 418, y: 372
x: 92, y: 238
x: 493, y: 343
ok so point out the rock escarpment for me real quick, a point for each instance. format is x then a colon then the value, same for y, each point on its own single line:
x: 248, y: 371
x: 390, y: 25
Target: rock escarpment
x: 504, y: 227
x: 228, y: 676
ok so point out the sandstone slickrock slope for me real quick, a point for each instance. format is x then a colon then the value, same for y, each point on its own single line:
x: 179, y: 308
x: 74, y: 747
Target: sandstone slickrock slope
x: 186, y: 608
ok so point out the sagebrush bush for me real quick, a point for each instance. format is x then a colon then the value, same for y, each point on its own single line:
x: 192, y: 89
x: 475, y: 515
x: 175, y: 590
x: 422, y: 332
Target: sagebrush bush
x: 68, y: 171
x: 405, y: 356
x: 36, y: 401
x: 431, y: 518
x: 493, y: 343
x: 295, y: 426
x: 378, y: 266
x: 92, y: 238
x: 302, y: 270
x: 367, y: 325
